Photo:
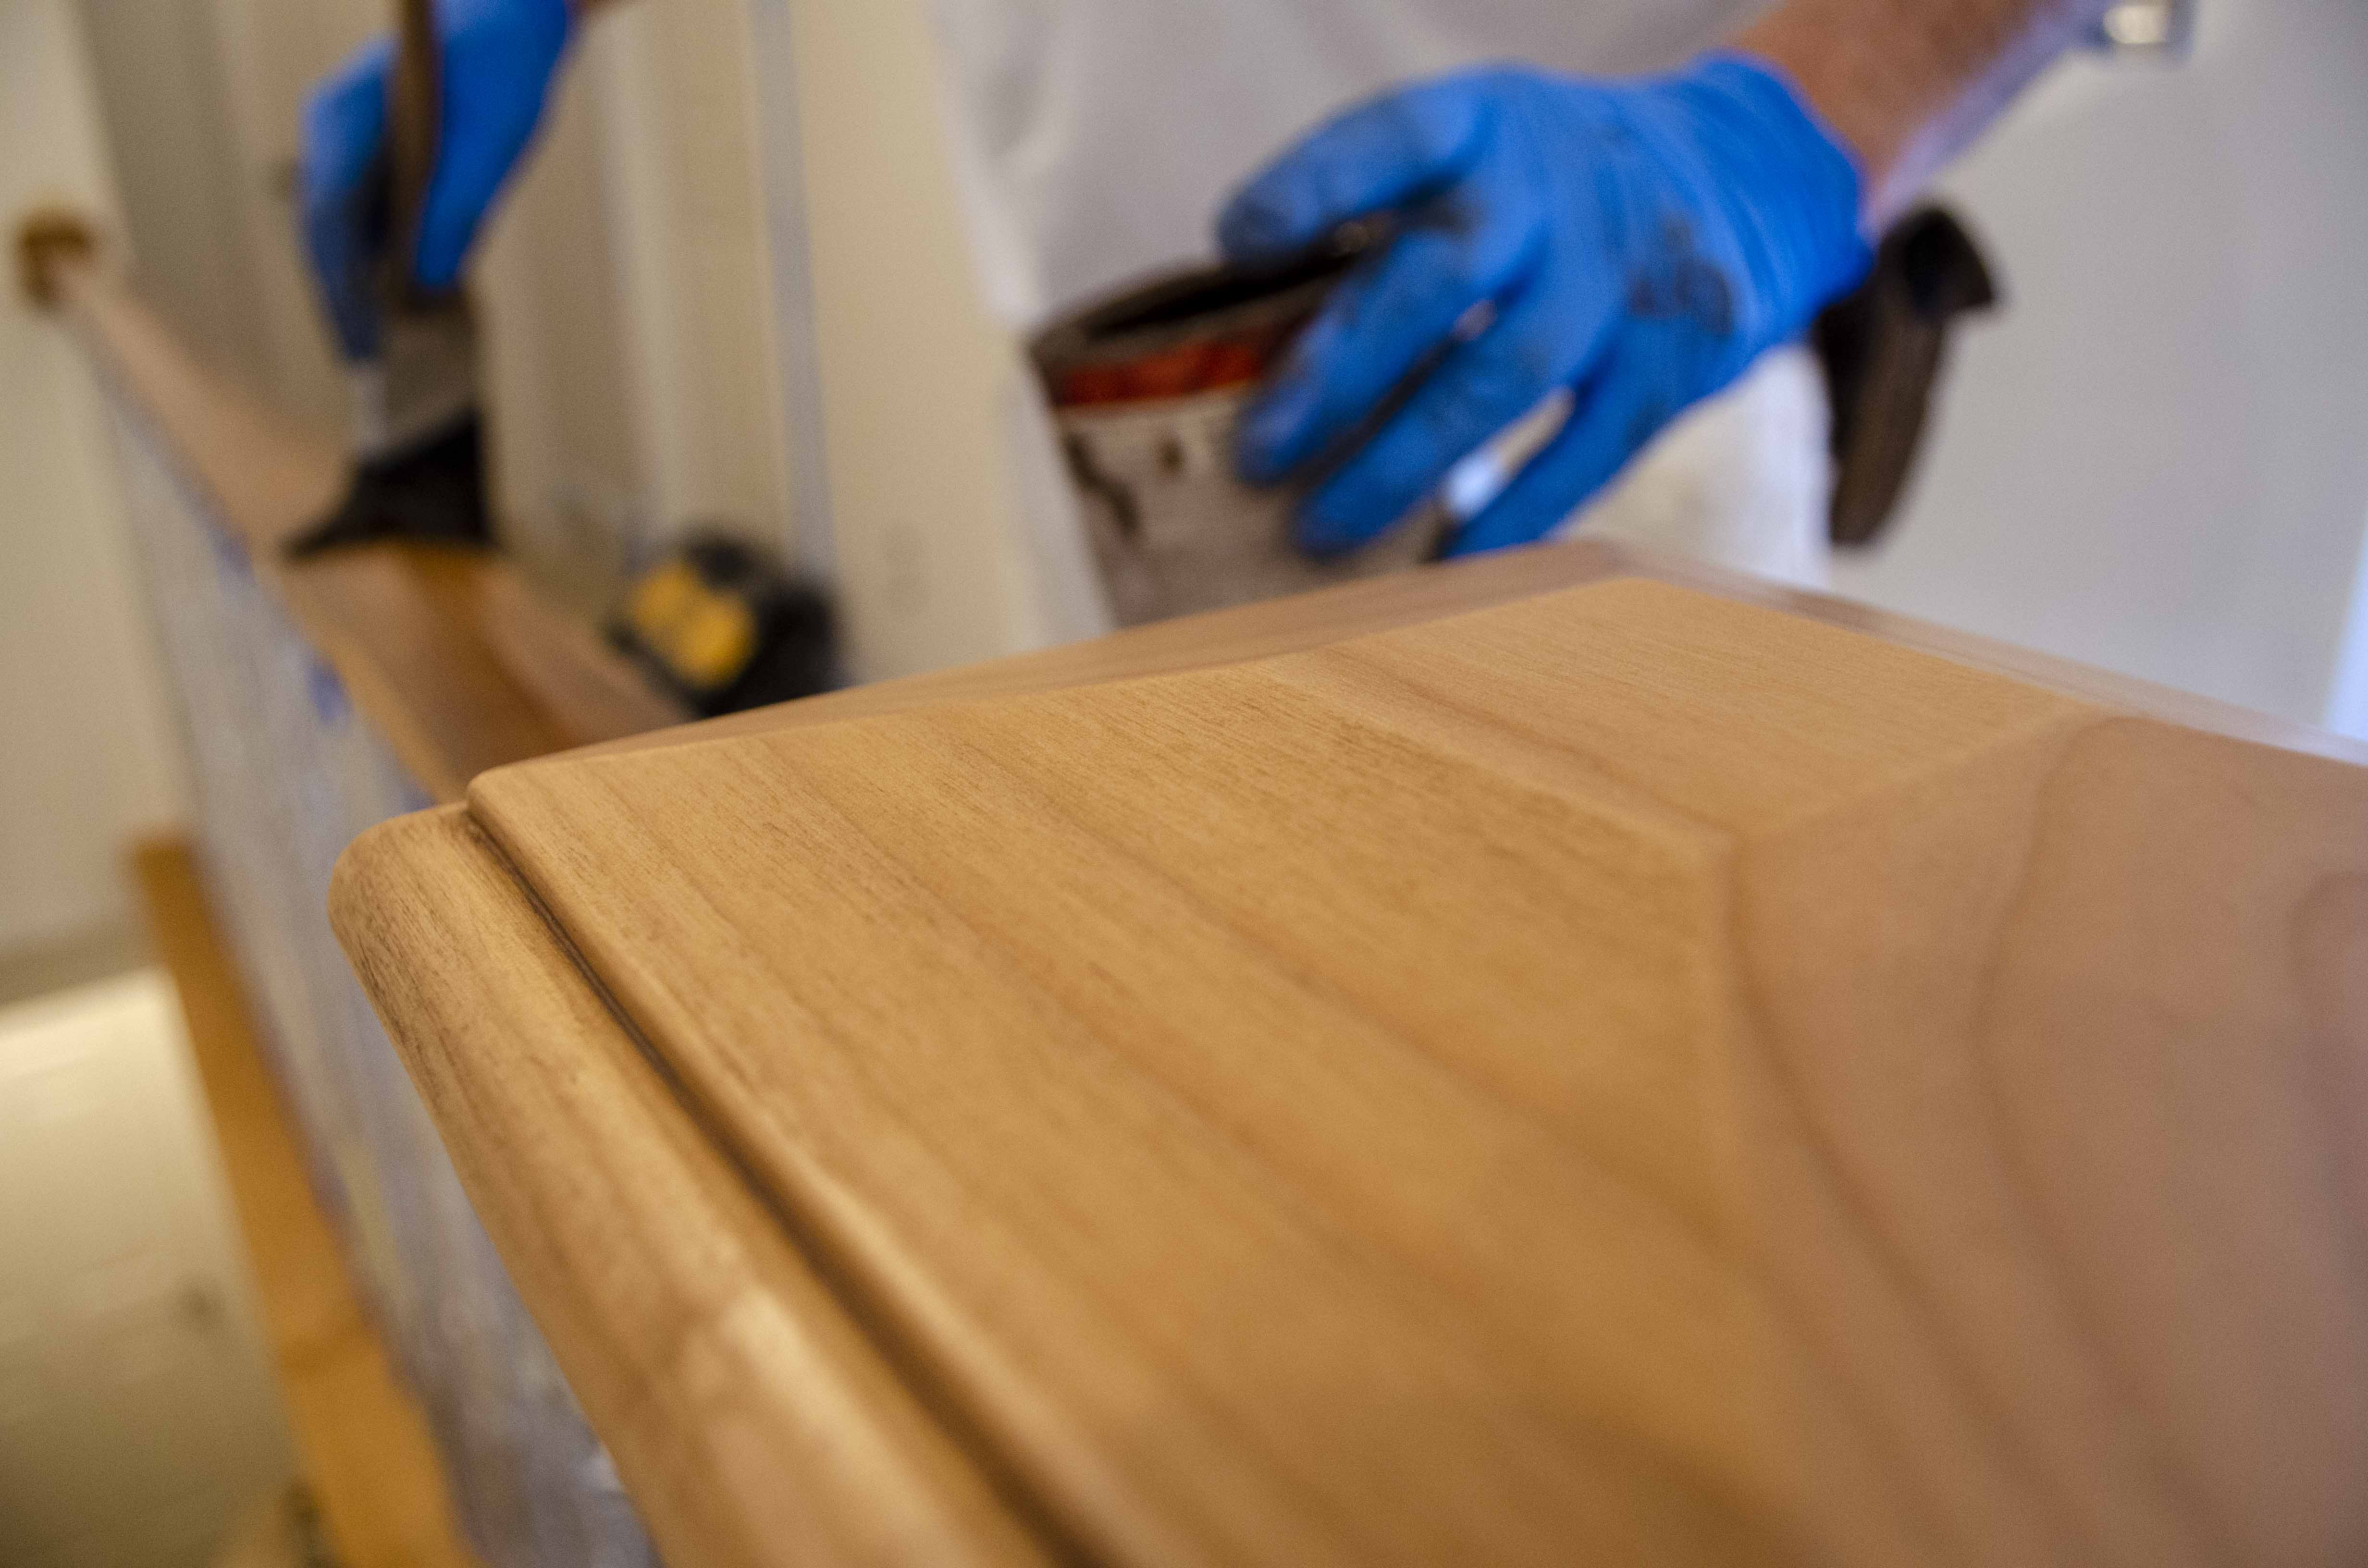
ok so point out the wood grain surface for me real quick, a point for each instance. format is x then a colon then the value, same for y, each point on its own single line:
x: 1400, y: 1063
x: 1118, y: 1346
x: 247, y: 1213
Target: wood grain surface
x: 753, y: 1422
x: 446, y: 652
x: 1624, y: 1074
x: 1409, y: 598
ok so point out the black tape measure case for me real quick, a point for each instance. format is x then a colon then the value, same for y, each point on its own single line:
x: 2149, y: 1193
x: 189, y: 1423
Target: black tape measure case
x: 725, y: 628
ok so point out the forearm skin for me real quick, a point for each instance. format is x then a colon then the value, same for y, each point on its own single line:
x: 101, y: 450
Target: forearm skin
x: 1908, y: 83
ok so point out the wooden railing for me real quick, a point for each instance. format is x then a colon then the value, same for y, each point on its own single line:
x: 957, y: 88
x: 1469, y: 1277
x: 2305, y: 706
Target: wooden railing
x: 318, y: 700
x: 447, y: 653
x: 824, y: 1315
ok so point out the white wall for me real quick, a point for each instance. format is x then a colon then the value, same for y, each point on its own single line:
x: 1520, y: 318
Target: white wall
x: 677, y: 104
x: 2156, y: 458
x: 912, y: 398
x: 570, y: 467
x: 623, y: 286
x: 87, y: 758
x: 165, y: 114
x: 268, y: 53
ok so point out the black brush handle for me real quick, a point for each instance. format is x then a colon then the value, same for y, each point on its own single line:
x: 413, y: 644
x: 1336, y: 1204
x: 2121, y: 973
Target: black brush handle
x: 413, y: 109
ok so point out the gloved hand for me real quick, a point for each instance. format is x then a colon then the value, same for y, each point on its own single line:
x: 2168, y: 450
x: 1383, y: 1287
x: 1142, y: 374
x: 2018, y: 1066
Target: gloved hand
x: 1639, y: 242
x: 498, y: 57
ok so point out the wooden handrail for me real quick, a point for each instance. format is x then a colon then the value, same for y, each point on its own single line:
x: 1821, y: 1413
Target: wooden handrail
x: 447, y: 654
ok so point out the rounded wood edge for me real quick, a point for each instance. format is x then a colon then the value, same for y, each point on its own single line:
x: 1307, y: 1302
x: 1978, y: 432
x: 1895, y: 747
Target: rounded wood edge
x: 753, y: 1419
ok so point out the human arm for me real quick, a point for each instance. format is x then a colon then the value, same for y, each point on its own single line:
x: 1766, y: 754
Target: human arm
x: 496, y: 60
x: 1633, y: 243
x: 1908, y: 84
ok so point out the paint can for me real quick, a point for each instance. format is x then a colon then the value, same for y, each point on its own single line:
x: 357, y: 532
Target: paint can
x: 1146, y: 389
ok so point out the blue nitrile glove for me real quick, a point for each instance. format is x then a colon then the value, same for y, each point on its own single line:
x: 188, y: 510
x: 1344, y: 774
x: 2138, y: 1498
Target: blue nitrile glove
x: 498, y: 57
x: 1641, y: 242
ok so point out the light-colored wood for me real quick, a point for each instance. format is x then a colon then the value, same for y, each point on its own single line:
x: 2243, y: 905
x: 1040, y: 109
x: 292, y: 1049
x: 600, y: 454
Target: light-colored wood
x: 365, y: 1445
x: 563, y: 665
x: 1409, y: 598
x: 448, y: 655
x: 1628, y: 1074
x: 753, y: 1421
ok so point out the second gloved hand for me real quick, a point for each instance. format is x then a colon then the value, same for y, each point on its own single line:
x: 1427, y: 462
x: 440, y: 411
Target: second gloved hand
x: 497, y: 61
x: 1639, y: 243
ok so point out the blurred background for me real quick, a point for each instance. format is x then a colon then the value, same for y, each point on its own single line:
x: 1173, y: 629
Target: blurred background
x: 703, y: 307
